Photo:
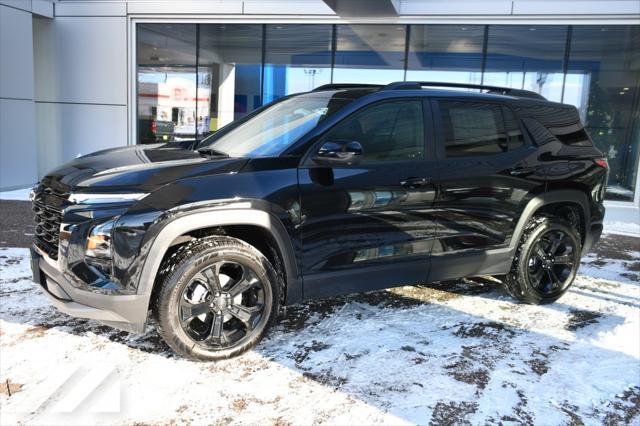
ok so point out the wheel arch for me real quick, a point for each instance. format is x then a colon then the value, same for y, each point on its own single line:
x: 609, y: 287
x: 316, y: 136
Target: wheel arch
x: 565, y: 197
x: 202, y: 220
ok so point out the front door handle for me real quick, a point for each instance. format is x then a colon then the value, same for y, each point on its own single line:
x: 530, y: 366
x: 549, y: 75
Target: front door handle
x: 522, y: 171
x: 415, y: 182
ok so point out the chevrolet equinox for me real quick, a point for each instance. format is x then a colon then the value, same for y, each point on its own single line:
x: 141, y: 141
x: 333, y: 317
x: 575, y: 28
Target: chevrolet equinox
x: 346, y: 188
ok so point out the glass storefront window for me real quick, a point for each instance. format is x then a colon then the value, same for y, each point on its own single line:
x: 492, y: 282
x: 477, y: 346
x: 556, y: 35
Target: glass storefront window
x: 229, y: 74
x: 527, y: 57
x: 166, y: 56
x: 369, y: 54
x: 445, y: 53
x: 297, y: 59
x: 194, y: 78
x: 603, y: 83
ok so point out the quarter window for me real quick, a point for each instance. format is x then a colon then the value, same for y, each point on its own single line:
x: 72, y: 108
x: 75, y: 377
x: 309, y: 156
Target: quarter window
x: 389, y: 131
x: 472, y: 129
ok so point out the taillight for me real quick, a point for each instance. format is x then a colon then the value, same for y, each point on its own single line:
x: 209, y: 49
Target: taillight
x: 602, y: 162
x: 154, y: 126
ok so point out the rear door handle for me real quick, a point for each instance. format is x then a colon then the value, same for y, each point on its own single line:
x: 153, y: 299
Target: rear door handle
x: 415, y: 182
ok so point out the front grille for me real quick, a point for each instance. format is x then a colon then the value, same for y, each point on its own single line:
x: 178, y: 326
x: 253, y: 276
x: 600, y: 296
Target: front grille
x: 47, y: 206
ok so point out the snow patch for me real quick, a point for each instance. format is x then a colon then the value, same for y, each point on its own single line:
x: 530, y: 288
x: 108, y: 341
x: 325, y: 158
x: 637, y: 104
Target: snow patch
x: 404, y: 356
x: 622, y: 228
x: 16, y: 195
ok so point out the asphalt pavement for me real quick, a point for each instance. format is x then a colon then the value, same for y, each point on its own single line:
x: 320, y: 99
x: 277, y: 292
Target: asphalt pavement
x: 16, y: 223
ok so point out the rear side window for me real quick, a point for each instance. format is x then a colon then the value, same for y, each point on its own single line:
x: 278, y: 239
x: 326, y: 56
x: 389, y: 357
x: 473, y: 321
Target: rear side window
x: 388, y: 131
x: 561, y: 123
x: 572, y: 135
x: 472, y: 129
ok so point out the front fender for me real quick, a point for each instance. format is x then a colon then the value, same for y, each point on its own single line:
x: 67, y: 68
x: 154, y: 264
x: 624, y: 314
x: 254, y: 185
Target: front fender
x: 220, y: 216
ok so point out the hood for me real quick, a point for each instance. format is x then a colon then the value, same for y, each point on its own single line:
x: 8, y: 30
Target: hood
x: 137, y: 168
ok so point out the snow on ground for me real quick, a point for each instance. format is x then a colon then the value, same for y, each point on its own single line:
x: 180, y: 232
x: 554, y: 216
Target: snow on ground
x: 16, y: 194
x: 622, y: 228
x: 463, y: 353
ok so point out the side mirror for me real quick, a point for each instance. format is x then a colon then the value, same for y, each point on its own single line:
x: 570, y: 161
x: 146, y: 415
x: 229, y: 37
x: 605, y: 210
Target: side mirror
x: 339, y: 153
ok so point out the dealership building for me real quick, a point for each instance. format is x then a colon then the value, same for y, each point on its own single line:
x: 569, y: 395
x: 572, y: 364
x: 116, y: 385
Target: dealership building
x: 80, y: 76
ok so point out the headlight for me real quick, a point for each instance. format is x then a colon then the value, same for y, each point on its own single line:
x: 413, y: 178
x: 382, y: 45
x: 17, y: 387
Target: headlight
x: 105, y: 198
x: 99, y: 241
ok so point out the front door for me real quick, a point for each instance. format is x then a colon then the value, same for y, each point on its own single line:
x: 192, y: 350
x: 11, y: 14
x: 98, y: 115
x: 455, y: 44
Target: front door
x: 370, y: 225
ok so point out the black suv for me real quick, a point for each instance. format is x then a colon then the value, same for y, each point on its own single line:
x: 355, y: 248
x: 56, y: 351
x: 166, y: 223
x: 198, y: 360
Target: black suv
x: 344, y: 189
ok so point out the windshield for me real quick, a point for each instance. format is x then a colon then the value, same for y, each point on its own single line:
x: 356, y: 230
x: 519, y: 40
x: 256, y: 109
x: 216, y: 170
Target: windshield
x: 273, y: 130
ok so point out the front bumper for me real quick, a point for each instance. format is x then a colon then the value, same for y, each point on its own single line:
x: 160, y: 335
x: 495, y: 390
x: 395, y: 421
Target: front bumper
x: 126, y: 312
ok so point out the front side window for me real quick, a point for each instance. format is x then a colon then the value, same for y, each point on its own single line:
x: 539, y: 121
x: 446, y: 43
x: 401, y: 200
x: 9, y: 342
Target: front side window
x: 389, y: 131
x: 472, y: 129
x: 511, y: 126
x: 276, y: 128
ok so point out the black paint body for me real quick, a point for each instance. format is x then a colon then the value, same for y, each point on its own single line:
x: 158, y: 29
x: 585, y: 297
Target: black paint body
x: 347, y: 228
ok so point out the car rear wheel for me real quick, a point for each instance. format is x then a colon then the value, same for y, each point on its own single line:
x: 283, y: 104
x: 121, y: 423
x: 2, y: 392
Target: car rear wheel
x: 546, y: 261
x: 219, y: 299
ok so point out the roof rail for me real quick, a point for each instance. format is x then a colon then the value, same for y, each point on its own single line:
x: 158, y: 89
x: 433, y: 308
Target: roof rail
x: 415, y: 85
x: 337, y: 86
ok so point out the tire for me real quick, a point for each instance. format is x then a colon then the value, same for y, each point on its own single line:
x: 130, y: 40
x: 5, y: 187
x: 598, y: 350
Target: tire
x: 542, y: 272
x: 206, y: 318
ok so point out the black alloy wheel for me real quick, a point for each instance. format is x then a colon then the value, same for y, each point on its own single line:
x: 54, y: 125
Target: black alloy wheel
x: 552, y: 262
x: 222, y: 304
x: 546, y: 261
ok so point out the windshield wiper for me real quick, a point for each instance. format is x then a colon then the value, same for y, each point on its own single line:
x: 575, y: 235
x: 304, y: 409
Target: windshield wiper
x: 212, y: 152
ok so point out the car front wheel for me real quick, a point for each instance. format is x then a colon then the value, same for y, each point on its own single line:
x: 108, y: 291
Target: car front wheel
x: 218, y: 300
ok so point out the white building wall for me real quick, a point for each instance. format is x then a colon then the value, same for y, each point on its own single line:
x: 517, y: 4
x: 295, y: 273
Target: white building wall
x: 17, y: 110
x: 81, y: 86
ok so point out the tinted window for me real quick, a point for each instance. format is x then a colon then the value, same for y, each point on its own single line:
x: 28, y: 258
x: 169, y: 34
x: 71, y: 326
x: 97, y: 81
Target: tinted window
x: 514, y: 134
x: 472, y: 129
x: 562, y: 123
x: 386, y: 131
x: 577, y: 138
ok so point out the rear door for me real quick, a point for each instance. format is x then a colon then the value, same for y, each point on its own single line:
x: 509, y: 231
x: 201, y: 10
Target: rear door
x: 370, y: 225
x: 486, y: 175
